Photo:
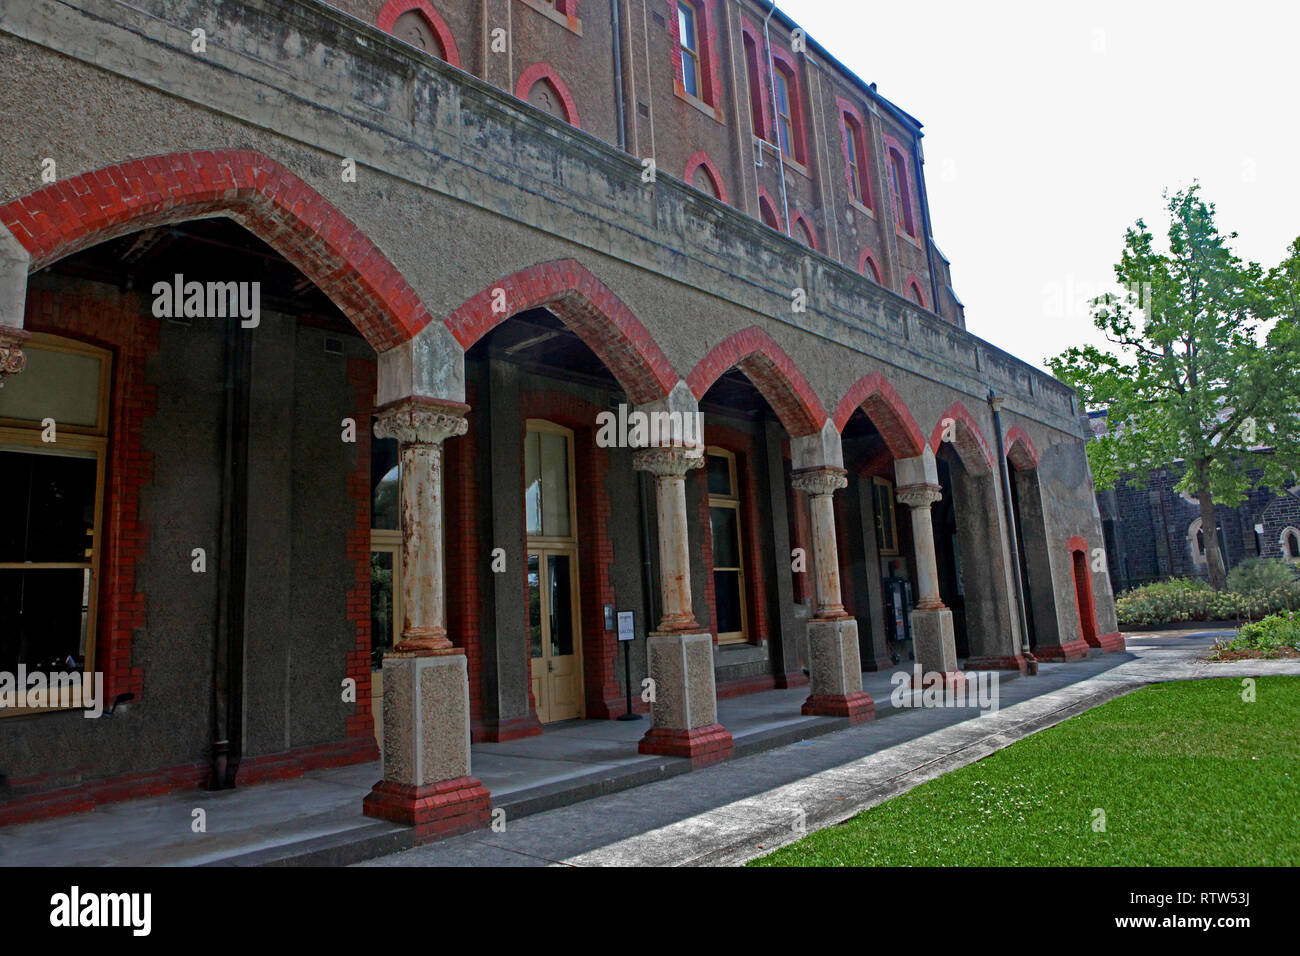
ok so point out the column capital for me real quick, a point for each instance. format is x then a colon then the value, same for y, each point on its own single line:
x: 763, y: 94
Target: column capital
x: 668, y: 461
x: 421, y: 421
x: 12, y: 359
x: 919, y: 496
x: 821, y: 480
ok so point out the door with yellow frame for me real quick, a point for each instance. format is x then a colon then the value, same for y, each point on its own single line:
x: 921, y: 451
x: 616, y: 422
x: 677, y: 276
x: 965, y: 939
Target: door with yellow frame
x: 728, y: 552
x: 554, y: 629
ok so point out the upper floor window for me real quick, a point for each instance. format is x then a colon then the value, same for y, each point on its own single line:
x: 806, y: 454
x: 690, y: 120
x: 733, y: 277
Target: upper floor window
x: 768, y: 212
x: 855, y: 153
x: 903, y: 217
x: 689, y: 38
x: 784, y: 114
x: 419, y: 23
x: 804, y: 232
x: 541, y: 86
x: 915, y: 294
x: 413, y: 28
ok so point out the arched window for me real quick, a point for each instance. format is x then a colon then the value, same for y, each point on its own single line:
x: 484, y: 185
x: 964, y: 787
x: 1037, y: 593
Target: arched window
x: 418, y: 23
x: 688, y: 38
x: 855, y: 156
x: 413, y: 28
x: 542, y: 87
x: 1290, y: 542
x: 898, y: 180
x: 768, y: 212
x: 1196, y: 543
x: 803, y: 232
x: 703, y: 175
x: 915, y: 294
x: 869, y: 268
x: 788, y: 111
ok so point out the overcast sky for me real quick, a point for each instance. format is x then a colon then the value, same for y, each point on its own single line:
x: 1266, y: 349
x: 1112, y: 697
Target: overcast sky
x: 1050, y: 127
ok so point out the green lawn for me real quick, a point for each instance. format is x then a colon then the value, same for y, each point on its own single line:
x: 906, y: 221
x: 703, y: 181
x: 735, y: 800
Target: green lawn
x: 1188, y: 775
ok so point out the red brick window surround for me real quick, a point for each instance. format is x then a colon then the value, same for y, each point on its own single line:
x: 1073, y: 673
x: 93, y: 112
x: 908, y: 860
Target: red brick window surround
x: 789, y: 107
x: 803, y: 230
x: 563, y: 12
x: 755, y: 74
x: 901, y: 186
x: 767, y: 210
x: 702, y: 173
x: 857, y: 159
x: 869, y: 267
x: 696, y: 77
x: 541, y: 86
x: 418, y: 23
x: 914, y: 290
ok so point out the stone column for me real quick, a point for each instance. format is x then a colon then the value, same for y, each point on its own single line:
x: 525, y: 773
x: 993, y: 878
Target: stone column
x: 427, y: 782
x: 933, y: 644
x: 684, y: 712
x: 14, y: 264
x: 833, y: 657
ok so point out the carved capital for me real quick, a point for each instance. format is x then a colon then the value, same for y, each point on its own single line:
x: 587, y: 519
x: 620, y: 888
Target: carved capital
x: 12, y: 359
x: 669, y: 461
x: 919, y: 496
x: 820, y: 481
x: 421, y: 421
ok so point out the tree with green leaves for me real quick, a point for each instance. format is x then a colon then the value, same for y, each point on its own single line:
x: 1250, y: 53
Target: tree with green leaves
x: 1203, y: 368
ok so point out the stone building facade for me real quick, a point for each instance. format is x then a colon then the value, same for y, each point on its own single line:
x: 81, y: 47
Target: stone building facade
x: 331, y: 308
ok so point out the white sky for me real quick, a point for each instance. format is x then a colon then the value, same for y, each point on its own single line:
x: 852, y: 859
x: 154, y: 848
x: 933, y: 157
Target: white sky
x: 1051, y: 127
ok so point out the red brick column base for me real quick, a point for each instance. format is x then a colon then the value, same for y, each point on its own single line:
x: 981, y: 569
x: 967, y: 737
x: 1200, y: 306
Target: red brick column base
x: 1014, y: 663
x: 702, y: 746
x: 438, y: 810
x: 1072, y: 651
x: 1112, y: 642
x: 858, y: 708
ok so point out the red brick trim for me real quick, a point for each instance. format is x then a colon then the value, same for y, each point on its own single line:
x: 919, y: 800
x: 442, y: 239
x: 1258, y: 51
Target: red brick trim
x: 438, y: 810
x: 858, y: 708
x: 1020, y: 450
x: 868, y: 258
x: 702, y: 746
x: 1011, y: 663
x: 706, y: 34
x: 362, y: 374
x: 969, y: 444
x: 851, y: 111
x: 395, y: 8
x: 771, y: 371
x: 1077, y: 543
x: 254, y: 190
x: 1085, y: 604
x: 887, y: 411
x: 544, y: 71
x: 798, y: 218
x: 765, y: 199
x: 43, y: 802
x: 909, y: 187
x: 749, y: 29
x: 701, y: 160
x: 1069, y: 651
x: 1112, y: 642
x: 913, y: 284
x: 588, y: 307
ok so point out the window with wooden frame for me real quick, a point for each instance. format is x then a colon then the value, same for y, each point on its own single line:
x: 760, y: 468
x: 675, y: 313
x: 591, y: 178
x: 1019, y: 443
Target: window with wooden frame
x: 728, y: 551
x: 784, y: 111
x: 753, y: 75
x: 882, y: 500
x: 903, y: 218
x: 53, y: 452
x: 688, y: 38
x: 855, y: 154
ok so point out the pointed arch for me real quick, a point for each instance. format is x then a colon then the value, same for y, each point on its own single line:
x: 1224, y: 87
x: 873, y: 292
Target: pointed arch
x: 246, y: 186
x: 914, y: 290
x: 881, y: 402
x: 701, y: 161
x: 968, y: 441
x: 869, y: 267
x: 767, y: 211
x: 797, y: 218
x: 544, y: 71
x: 771, y: 371
x: 1020, y: 450
x: 395, y: 8
x: 588, y: 307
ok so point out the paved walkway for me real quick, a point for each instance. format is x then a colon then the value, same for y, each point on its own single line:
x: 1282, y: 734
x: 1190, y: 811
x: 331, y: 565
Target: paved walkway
x: 788, y: 768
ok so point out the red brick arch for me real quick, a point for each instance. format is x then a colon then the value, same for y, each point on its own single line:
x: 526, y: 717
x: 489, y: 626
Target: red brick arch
x: 772, y: 372
x: 395, y: 8
x: 248, y: 187
x: 887, y: 411
x: 1020, y: 450
x: 701, y: 159
x: 588, y: 307
x: 969, y: 441
x: 544, y: 71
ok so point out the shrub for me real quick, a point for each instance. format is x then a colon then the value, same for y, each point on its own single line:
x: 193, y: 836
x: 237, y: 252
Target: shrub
x: 1261, y: 574
x: 1270, y: 636
x: 1185, y: 599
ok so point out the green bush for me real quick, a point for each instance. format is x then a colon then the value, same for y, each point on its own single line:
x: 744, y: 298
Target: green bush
x: 1261, y: 574
x: 1269, y: 635
x: 1187, y: 599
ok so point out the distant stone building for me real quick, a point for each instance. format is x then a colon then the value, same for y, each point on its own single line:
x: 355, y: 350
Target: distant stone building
x: 1154, y: 532
x: 477, y: 227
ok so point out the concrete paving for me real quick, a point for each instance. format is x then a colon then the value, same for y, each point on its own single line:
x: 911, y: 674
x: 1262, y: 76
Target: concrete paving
x: 568, y: 794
